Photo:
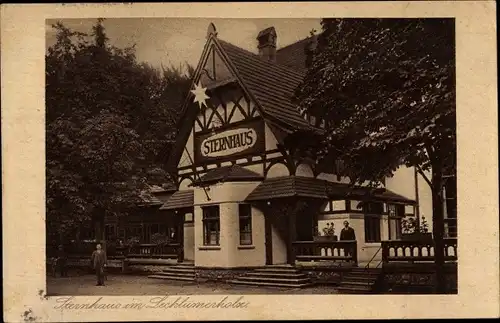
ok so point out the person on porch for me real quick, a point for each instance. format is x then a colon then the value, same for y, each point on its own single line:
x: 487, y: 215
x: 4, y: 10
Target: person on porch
x: 347, y: 233
x: 98, y: 261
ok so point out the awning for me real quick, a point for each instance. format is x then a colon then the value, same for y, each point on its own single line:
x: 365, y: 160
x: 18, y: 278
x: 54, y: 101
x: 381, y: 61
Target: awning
x: 232, y: 173
x: 179, y: 200
x: 343, y: 191
x: 309, y: 187
x: 148, y: 199
x: 289, y: 186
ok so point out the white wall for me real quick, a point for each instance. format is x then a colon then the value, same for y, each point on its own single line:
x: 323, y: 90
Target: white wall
x: 189, y: 241
x: 254, y: 255
x: 229, y: 253
x: 271, y: 142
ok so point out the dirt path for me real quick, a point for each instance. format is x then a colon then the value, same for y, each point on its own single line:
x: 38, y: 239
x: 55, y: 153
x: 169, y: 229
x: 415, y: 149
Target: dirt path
x: 141, y: 285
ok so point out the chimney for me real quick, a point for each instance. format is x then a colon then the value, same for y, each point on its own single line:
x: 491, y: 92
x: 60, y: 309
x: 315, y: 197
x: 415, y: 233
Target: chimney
x: 310, y: 48
x: 267, y: 44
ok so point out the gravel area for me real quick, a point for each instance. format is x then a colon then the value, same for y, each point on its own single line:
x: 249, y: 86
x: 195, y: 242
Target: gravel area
x: 142, y: 285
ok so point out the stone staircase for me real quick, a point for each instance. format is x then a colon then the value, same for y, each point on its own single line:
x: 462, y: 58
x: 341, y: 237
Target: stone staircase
x: 360, y: 281
x: 181, y: 272
x: 285, y: 276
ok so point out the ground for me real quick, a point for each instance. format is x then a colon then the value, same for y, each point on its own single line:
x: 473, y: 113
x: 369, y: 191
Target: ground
x: 142, y: 285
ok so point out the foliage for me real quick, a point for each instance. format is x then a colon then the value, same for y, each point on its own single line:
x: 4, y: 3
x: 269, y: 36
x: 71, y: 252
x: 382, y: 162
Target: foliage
x: 159, y: 238
x: 385, y: 89
x: 132, y: 241
x: 109, y: 127
x: 410, y: 225
x: 329, y: 230
x: 388, y: 98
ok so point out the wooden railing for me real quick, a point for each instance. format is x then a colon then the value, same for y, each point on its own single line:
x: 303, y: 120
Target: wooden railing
x: 399, y: 250
x: 325, y: 250
x: 154, y: 251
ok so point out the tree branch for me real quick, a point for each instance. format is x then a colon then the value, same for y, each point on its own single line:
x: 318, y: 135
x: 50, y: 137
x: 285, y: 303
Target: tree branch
x: 421, y: 172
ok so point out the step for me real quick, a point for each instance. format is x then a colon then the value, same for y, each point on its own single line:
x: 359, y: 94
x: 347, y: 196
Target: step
x: 241, y: 282
x: 277, y: 270
x: 179, y: 270
x: 187, y: 266
x: 264, y: 279
x: 361, y: 274
x: 368, y: 270
x: 273, y: 274
x: 175, y: 274
x: 171, y: 277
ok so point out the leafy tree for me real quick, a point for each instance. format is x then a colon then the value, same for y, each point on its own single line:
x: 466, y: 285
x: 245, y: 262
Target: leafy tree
x: 109, y: 127
x: 386, y: 90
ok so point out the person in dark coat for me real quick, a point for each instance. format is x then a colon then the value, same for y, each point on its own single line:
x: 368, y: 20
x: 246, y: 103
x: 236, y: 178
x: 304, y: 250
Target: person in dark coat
x: 61, y: 261
x: 347, y: 233
x: 98, y: 261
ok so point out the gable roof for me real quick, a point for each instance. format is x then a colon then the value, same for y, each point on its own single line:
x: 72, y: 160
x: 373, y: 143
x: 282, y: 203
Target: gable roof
x: 230, y: 173
x: 270, y: 84
x: 294, y: 55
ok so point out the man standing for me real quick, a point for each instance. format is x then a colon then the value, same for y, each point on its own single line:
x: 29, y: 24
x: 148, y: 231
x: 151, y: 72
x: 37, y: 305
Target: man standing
x: 347, y: 233
x: 98, y: 262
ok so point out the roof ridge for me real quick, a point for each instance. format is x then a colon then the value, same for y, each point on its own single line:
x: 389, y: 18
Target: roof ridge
x: 292, y: 44
x: 284, y: 67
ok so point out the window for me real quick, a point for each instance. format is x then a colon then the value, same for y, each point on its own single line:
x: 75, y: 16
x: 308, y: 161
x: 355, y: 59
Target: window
x: 110, y: 232
x: 372, y: 228
x: 396, y: 213
x: 211, y: 226
x: 450, y: 228
x: 245, y: 216
x: 188, y: 218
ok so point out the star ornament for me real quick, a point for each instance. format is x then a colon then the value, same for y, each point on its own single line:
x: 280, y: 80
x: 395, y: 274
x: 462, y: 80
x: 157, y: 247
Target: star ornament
x: 200, y: 95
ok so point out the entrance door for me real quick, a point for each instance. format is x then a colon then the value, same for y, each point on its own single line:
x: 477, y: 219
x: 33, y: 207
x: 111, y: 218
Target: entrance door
x: 269, y: 240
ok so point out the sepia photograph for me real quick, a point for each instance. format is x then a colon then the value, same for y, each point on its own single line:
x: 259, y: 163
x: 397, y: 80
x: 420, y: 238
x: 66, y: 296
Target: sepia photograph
x: 249, y: 161
x: 251, y: 156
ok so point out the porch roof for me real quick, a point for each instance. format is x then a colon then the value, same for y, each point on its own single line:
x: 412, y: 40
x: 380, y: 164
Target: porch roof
x: 179, y: 200
x: 309, y: 187
x: 289, y: 186
x: 343, y: 191
x: 232, y: 173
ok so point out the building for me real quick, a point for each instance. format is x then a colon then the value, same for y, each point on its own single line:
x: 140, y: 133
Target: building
x: 247, y: 201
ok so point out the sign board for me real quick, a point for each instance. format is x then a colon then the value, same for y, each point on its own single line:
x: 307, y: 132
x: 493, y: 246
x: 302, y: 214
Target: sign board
x: 230, y: 142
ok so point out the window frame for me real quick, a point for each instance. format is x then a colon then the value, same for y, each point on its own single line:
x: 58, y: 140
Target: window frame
x: 211, y: 214
x: 245, y: 214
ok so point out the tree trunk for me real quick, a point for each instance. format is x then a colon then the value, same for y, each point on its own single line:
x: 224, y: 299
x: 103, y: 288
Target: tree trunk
x: 438, y: 229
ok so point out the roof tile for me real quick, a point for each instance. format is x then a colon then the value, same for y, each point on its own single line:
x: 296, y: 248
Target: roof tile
x: 228, y: 174
x: 179, y: 200
x: 272, y: 84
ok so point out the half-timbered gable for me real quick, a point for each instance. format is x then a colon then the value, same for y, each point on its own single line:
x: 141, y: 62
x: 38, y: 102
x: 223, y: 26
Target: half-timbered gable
x: 238, y: 112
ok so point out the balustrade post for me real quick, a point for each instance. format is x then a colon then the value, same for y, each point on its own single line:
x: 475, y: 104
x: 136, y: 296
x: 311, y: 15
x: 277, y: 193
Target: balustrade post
x: 355, y: 253
x: 385, y: 252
